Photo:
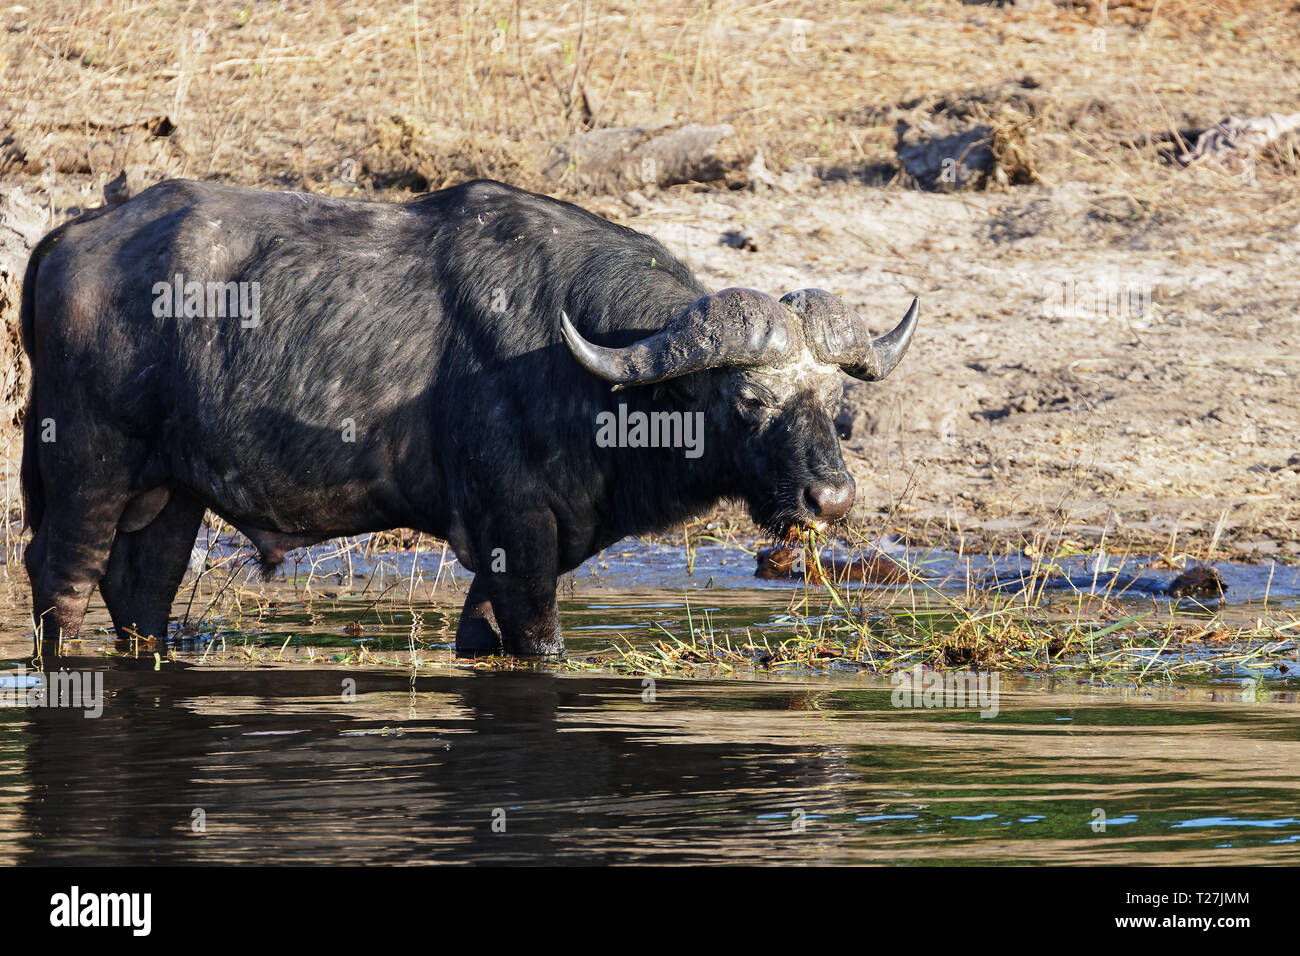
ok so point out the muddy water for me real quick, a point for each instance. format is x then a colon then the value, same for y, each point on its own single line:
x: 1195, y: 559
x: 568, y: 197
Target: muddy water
x: 290, y: 754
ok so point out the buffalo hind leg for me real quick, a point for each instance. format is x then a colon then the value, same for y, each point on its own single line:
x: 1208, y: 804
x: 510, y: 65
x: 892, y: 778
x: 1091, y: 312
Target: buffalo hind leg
x: 477, y: 634
x: 65, y: 560
x: 145, y: 568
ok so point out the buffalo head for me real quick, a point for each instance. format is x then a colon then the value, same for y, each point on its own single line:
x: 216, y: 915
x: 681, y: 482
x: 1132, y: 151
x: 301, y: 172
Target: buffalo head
x: 765, y: 372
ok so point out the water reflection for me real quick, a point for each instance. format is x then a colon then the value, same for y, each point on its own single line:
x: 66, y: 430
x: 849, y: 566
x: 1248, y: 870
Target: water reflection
x: 275, y: 763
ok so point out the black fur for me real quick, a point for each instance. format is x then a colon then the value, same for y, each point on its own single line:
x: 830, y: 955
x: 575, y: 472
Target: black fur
x: 434, y: 327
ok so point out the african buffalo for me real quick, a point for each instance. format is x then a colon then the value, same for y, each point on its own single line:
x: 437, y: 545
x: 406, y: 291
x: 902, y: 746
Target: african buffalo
x: 503, y: 370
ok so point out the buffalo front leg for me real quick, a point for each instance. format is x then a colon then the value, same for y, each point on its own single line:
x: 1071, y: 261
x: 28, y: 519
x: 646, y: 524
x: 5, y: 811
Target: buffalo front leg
x: 519, y: 568
x: 145, y: 568
x: 477, y: 634
x: 529, y: 618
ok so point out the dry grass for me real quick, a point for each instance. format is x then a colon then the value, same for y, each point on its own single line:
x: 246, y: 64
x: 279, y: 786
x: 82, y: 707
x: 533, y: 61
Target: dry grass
x: 418, y: 94
x: 369, y: 98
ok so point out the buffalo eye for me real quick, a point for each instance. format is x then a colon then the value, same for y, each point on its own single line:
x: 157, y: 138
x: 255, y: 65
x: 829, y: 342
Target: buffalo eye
x: 755, y: 402
x: 681, y: 392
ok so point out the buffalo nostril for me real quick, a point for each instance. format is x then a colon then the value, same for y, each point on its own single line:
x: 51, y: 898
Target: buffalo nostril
x: 829, y: 499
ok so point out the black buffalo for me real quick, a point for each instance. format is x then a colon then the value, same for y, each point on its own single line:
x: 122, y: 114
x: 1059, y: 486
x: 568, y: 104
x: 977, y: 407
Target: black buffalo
x: 309, y: 367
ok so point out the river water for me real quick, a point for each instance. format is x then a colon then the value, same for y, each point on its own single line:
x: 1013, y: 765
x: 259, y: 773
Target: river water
x: 295, y: 753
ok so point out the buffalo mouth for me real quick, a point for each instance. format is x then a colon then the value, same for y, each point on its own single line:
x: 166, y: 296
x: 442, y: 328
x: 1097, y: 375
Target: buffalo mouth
x: 811, y: 523
x: 784, y: 523
x: 802, y: 504
x: 802, y: 525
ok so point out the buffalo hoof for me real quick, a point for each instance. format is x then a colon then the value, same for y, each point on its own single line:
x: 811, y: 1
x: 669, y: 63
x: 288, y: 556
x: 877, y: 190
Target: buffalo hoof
x: 548, y: 647
x: 476, y: 637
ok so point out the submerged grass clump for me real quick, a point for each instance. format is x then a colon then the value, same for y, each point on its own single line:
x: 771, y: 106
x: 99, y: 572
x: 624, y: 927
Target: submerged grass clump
x: 831, y: 627
x: 1001, y: 639
x: 371, y: 603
